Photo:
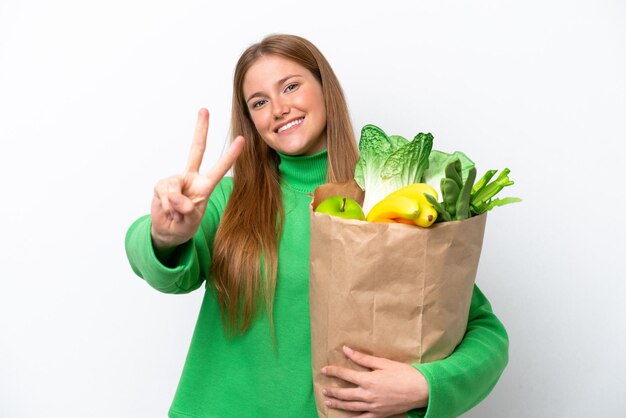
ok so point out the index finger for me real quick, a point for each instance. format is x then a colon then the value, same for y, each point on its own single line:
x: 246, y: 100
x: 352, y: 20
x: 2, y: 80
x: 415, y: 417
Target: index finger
x: 199, y: 142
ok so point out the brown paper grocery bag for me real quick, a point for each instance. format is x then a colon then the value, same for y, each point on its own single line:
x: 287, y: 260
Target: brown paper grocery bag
x: 391, y: 290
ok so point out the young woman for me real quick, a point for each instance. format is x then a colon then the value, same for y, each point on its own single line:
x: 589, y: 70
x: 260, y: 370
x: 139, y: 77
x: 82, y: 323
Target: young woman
x: 247, y: 238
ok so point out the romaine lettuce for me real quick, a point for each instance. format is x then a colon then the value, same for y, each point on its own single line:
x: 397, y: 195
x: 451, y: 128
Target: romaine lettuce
x: 438, y: 161
x: 389, y: 163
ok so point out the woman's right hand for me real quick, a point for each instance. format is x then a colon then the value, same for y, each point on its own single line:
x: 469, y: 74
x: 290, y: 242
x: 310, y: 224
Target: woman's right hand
x: 179, y: 201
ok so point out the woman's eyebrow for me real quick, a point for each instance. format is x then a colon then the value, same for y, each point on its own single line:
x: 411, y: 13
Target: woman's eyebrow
x: 282, y: 80
x: 278, y: 83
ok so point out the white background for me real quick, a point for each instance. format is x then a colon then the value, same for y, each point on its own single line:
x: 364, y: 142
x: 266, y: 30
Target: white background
x: 98, y: 101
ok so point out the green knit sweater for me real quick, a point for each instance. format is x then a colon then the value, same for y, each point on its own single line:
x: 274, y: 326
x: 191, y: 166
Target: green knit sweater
x: 246, y: 375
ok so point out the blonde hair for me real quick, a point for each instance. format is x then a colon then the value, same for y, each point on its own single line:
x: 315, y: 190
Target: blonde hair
x: 245, y: 253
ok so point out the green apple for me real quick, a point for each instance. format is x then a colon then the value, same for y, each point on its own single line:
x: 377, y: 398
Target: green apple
x: 341, y: 206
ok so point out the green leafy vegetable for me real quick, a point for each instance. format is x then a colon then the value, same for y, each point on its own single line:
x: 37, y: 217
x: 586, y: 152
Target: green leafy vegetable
x: 450, y: 191
x: 455, y: 192
x: 407, y: 164
x: 482, y: 194
x: 387, y: 164
x: 463, y: 203
x: 462, y: 199
x: 483, y: 180
x: 501, y: 202
x: 397, y: 141
x: 374, y: 148
x: 438, y: 161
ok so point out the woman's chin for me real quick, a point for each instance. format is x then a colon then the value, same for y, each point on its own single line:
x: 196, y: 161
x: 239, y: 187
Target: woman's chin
x: 292, y: 149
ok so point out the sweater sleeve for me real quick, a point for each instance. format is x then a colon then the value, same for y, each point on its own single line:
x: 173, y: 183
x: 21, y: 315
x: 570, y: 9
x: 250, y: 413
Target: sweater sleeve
x: 460, y: 381
x: 190, y: 264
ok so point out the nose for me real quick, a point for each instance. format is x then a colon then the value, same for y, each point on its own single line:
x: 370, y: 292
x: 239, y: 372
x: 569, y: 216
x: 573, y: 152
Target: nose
x: 280, y: 108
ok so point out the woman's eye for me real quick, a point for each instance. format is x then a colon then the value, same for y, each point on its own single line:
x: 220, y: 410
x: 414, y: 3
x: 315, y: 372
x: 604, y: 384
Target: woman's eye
x: 258, y: 104
x: 291, y: 87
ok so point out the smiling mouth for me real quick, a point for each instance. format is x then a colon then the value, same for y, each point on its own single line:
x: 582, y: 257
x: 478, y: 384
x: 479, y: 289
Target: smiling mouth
x: 290, y: 125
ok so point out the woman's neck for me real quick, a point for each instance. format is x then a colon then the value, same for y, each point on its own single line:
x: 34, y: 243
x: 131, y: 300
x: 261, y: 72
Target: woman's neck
x: 304, y: 173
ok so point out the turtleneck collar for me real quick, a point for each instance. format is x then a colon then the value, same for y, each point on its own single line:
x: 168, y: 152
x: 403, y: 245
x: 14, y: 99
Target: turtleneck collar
x: 303, y: 172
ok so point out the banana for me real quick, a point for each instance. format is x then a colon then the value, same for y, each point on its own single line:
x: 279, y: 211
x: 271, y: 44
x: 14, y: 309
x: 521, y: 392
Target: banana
x: 428, y: 214
x: 427, y: 217
x: 392, y: 207
x: 405, y: 221
x: 416, y: 190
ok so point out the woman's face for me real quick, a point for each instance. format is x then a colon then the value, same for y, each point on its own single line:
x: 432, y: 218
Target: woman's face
x: 286, y: 104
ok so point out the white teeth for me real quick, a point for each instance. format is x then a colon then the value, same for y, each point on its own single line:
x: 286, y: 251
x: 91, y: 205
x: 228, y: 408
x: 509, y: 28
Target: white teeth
x: 290, y: 124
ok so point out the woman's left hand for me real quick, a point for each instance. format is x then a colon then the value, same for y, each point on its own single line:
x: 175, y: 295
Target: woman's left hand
x: 389, y: 388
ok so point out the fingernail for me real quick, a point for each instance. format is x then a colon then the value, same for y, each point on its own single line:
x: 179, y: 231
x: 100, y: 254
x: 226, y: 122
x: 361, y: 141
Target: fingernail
x: 327, y: 403
x: 324, y: 370
x: 324, y: 392
x: 348, y: 350
x: 175, y: 200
